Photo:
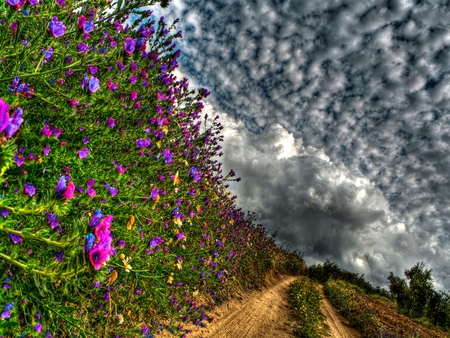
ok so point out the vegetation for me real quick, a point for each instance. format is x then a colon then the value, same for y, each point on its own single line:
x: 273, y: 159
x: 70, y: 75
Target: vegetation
x: 416, y: 297
x: 115, y: 216
x: 305, y: 297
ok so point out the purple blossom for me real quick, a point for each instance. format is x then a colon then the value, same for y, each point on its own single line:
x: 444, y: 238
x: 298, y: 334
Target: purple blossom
x: 56, y: 27
x: 4, y: 116
x: 121, y: 243
x: 6, y: 314
x: 93, y: 69
x: 94, y: 84
x: 15, y: 238
x: 95, y: 220
x: 180, y: 236
x: 88, y: 27
x: 14, y: 123
x: 46, y: 150
x: 38, y: 327
x: 61, y: 185
x: 69, y: 192
x: 154, y: 242
x: 29, y: 189
x: 4, y: 213
x: 167, y: 156
x: 82, y: 47
x: 91, y: 192
x: 59, y: 256
x: 129, y: 45
x: 83, y: 153
x: 47, y: 131
x: 110, y: 122
x: 90, y: 183
x: 86, y: 140
x: 9, y: 306
x: 113, y: 191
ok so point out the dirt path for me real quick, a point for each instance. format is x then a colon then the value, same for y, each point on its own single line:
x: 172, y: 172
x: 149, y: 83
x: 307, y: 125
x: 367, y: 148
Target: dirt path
x: 337, y: 324
x: 265, y: 313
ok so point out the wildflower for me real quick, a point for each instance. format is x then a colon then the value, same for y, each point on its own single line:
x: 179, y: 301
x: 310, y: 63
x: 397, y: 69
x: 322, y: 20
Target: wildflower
x: 89, y: 243
x: 121, y: 243
x: 99, y: 255
x: 155, y: 195
x: 94, y: 84
x: 4, y: 116
x: 180, y: 236
x: 179, y: 263
x: 69, y: 192
x: 29, y: 189
x: 38, y: 327
x: 129, y: 45
x: 167, y: 156
x: 83, y: 153
x: 91, y: 192
x: 59, y: 256
x: 170, y: 278
x: 154, y: 242
x: 95, y: 220
x: 126, y: 264
x: 6, y: 314
x: 15, y: 238
x: 120, y: 319
x: 56, y: 27
x: 110, y: 122
x: 4, y: 213
x: 61, y: 184
x: 14, y: 123
x: 46, y: 150
x: 113, y: 191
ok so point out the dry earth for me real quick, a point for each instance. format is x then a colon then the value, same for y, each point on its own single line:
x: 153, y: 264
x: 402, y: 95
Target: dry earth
x: 265, y: 313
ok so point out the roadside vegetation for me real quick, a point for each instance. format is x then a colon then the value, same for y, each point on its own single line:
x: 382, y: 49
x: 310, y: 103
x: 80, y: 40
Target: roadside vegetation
x: 411, y: 307
x: 305, y: 298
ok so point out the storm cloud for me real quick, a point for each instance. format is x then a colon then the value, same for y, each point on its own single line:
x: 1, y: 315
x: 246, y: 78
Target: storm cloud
x: 337, y: 120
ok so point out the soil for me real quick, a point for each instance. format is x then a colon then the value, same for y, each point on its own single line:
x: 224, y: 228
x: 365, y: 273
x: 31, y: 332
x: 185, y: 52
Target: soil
x: 265, y: 313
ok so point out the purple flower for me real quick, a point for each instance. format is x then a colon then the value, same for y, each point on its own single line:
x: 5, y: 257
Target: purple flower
x: 6, y: 314
x: 86, y: 140
x: 82, y: 47
x: 110, y: 122
x: 61, y: 185
x: 121, y: 243
x: 59, y: 256
x: 56, y: 27
x: 88, y: 27
x: 95, y: 220
x: 195, y: 174
x: 4, y: 116
x: 129, y: 45
x: 14, y: 123
x: 46, y: 150
x: 93, y: 69
x: 29, y: 189
x: 154, y: 242
x: 9, y: 306
x: 99, y: 254
x: 167, y: 156
x: 83, y: 153
x: 91, y: 192
x: 94, y: 84
x: 38, y: 327
x: 47, y: 131
x: 113, y: 191
x: 15, y: 238
x: 4, y: 213
x: 19, y: 160
x: 180, y: 236
x: 56, y: 131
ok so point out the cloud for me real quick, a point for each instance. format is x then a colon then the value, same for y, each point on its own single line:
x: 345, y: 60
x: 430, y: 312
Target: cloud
x: 367, y: 82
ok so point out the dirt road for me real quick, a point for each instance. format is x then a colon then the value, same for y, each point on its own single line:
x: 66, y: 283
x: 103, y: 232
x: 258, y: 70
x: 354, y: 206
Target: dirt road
x: 337, y: 324
x: 264, y: 313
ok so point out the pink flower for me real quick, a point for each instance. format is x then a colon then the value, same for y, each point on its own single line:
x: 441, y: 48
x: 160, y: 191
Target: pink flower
x: 83, y: 153
x: 69, y: 192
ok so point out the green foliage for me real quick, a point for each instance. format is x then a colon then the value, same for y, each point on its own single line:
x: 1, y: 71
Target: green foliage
x: 305, y: 297
x: 331, y: 270
x: 417, y: 298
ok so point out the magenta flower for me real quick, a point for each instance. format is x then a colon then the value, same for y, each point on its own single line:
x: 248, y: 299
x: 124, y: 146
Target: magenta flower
x: 4, y: 116
x: 100, y: 254
x: 46, y: 150
x: 154, y: 242
x: 82, y: 47
x: 47, y: 131
x: 91, y: 192
x: 69, y: 192
x: 56, y: 27
x: 38, y: 327
x: 133, y: 96
x: 94, y: 84
x: 129, y: 45
x: 29, y: 189
x: 4, y: 213
x: 15, y: 238
x: 83, y: 153
x: 95, y: 220
x: 110, y: 122
x: 6, y: 314
x: 113, y: 191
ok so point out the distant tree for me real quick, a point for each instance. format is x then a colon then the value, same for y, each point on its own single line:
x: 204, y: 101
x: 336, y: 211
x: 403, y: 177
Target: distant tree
x: 420, y: 287
x: 400, y: 291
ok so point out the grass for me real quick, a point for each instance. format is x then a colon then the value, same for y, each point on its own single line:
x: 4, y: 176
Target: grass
x: 305, y: 298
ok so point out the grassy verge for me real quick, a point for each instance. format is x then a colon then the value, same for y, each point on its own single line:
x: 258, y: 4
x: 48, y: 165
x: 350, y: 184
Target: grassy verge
x: 305, y: 297
x: 374, y: 316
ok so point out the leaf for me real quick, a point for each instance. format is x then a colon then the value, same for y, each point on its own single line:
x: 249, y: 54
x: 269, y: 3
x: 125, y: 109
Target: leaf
x: 9, y: 324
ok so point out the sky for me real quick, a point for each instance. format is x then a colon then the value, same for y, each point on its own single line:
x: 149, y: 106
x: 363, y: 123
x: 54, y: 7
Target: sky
x: 336, y: 116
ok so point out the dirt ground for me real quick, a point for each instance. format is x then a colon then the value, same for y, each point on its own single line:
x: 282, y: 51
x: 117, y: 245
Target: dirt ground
x: 264, y: 313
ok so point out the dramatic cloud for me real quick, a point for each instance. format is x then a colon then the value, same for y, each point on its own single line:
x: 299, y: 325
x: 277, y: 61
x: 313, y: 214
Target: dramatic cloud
x: 367, y: 82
